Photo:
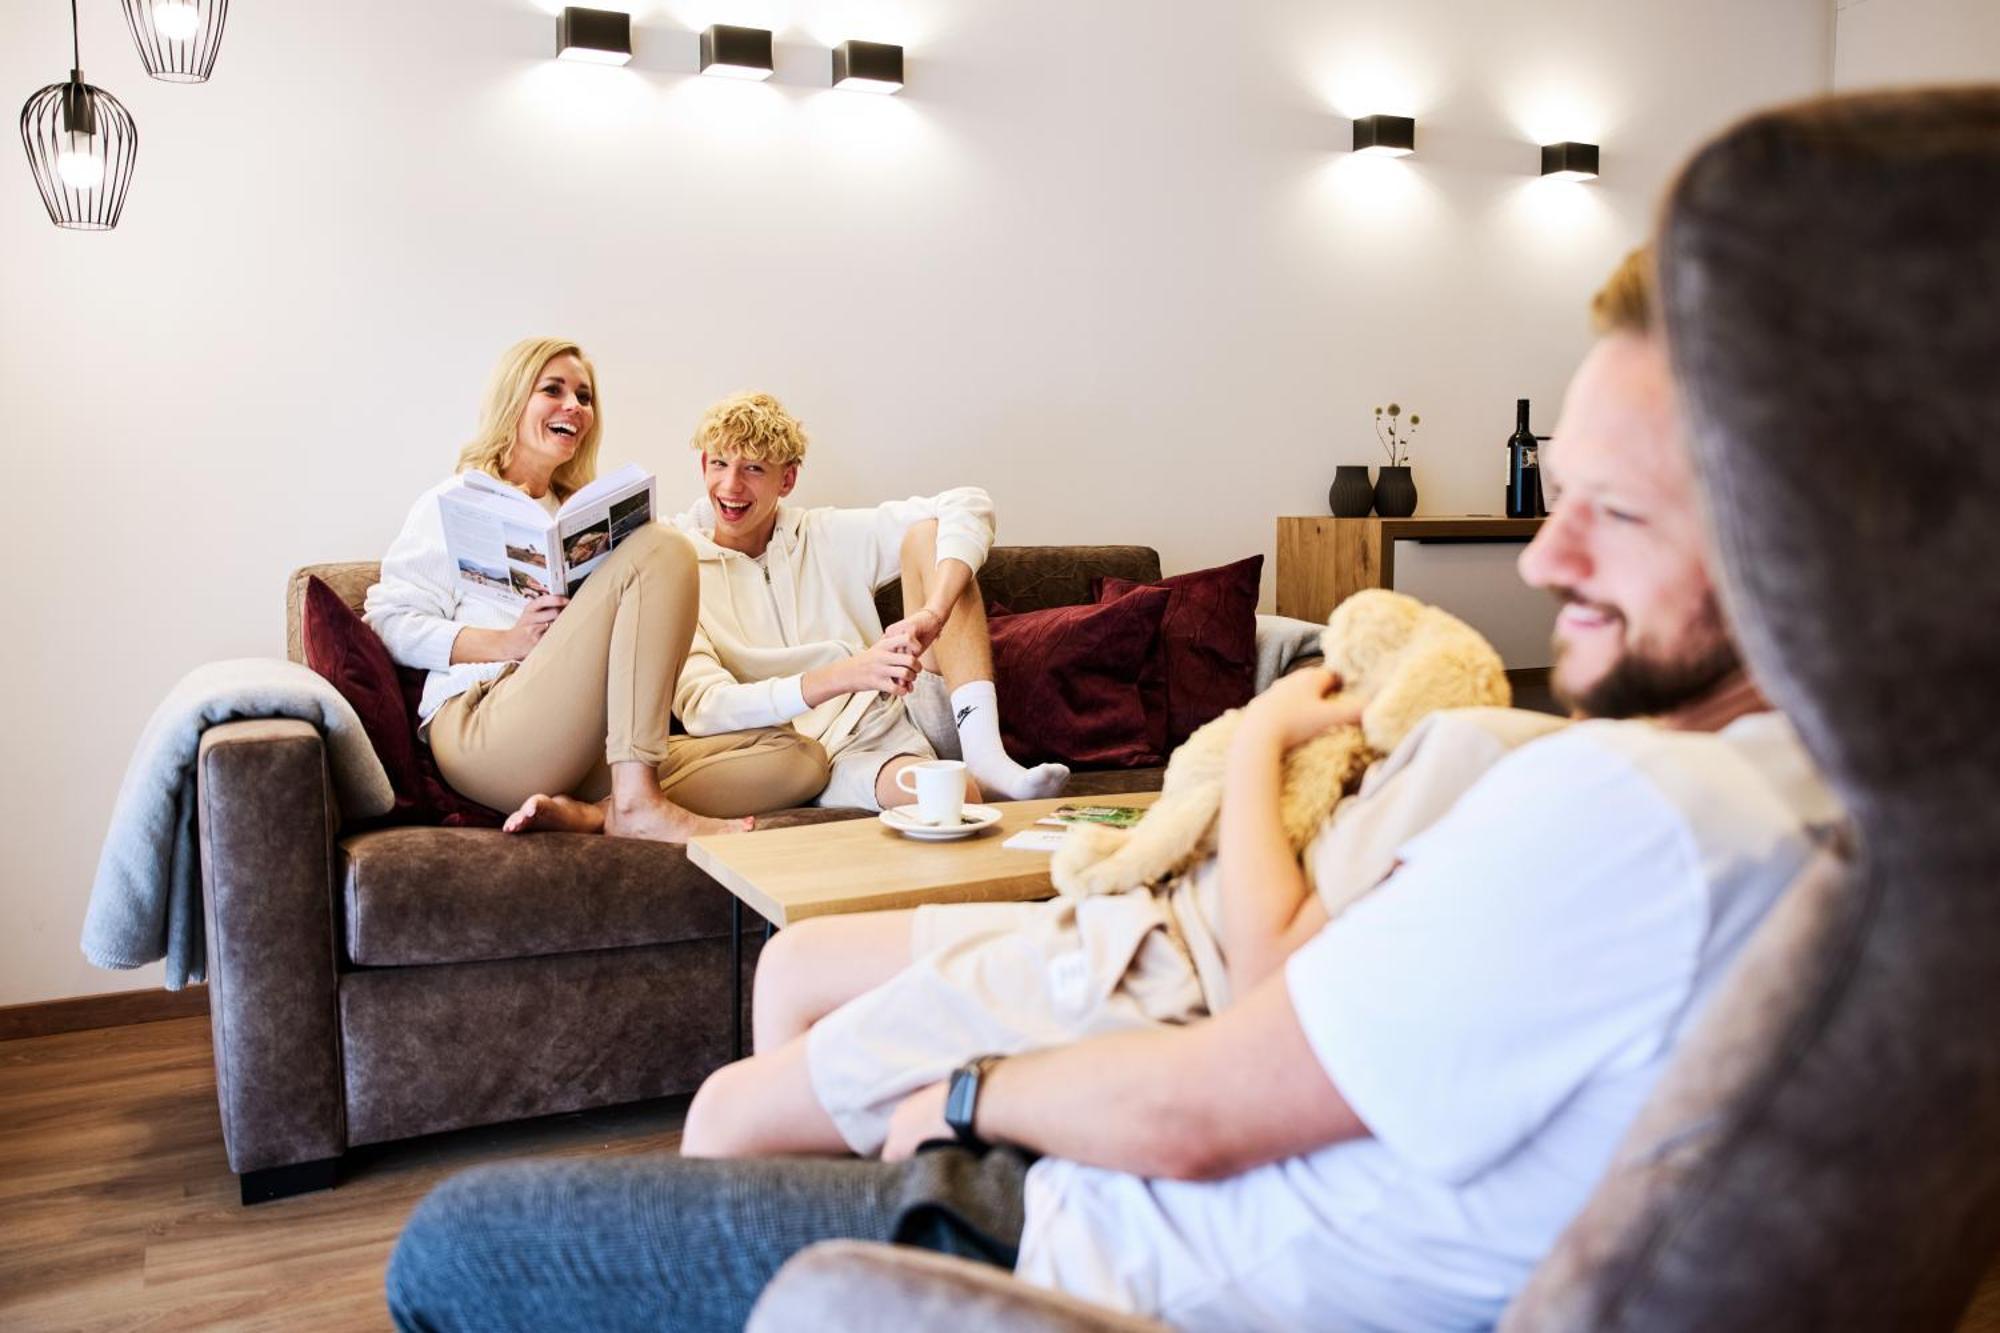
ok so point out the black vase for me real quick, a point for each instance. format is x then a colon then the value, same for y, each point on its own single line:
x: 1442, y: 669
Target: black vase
x: 1395, y: 493
x: 1353, y: 495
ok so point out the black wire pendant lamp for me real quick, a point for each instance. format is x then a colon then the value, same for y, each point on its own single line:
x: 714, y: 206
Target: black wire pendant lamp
x: 81, y: 143
x: 177, y: 39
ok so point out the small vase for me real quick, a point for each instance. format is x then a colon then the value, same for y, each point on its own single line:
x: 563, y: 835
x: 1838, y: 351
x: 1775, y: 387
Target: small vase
x: 1395, y: 493
x: 1353, y: 495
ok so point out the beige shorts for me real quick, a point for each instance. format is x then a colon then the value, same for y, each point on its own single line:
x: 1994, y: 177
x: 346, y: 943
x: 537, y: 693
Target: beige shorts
x: 884, y: 732
x: 997, y: 978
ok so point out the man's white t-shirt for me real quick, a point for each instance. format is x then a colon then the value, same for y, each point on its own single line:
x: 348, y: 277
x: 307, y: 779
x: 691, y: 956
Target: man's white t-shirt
x: 1496, y: 1012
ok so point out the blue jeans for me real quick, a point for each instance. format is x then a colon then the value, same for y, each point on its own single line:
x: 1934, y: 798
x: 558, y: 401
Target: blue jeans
x: 675, y: 1243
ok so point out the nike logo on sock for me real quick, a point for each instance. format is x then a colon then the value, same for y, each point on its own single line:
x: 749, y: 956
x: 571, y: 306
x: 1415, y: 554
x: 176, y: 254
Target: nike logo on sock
x: 963, y: 714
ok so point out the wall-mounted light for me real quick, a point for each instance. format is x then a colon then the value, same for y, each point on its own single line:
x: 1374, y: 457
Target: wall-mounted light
x: 736, y: 53
x: 1569, y: 161
x: 177, y: 39
x: 81, y: 143
x: 868, y: 67
x: 1387, y: 136
x: 594, y: 36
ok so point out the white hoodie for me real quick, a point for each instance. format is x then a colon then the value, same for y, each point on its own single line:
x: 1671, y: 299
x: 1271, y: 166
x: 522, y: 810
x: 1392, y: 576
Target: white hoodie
x: 809, y: 602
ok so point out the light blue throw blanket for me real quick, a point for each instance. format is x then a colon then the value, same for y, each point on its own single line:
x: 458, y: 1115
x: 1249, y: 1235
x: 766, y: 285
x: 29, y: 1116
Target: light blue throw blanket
x: 1281, y: 641
x: 146, y: 901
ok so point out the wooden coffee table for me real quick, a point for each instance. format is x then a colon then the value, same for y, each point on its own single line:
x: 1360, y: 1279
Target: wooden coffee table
x: 860, y: 865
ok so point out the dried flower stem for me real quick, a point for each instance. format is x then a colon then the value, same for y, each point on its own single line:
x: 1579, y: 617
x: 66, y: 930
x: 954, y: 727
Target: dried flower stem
x: 1393, y: 435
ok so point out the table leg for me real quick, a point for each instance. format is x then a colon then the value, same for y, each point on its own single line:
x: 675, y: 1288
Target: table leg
x: 735, y: 977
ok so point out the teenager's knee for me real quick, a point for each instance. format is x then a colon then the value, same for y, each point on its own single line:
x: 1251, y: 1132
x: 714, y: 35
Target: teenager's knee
x: 716, y: 1118
x: 781, y: 1003
x: 660, y: 548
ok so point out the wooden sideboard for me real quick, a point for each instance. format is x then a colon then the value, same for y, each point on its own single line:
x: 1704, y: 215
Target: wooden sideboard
x: 1321, y: 561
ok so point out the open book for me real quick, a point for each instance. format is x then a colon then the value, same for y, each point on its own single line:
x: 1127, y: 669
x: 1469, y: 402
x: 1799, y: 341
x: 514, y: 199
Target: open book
x: 508, y: 549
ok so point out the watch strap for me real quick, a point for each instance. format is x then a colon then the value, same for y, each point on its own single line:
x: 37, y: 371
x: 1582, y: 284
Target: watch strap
x: 961, y: 1099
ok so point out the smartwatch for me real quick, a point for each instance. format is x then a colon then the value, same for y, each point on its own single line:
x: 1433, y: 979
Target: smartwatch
x: 961, y: 1099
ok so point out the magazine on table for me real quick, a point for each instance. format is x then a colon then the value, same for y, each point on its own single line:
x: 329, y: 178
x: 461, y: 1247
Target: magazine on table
x: 1110, y: 816
x: 509, y: 549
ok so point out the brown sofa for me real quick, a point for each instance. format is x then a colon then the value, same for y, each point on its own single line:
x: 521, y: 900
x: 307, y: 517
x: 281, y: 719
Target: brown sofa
x: 374, y: 985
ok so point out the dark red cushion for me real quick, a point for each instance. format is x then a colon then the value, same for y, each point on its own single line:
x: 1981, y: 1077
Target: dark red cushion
x: 340, y: 646
x: 441, y: 802
x: 1208, y: 643
x: 1068, y: 681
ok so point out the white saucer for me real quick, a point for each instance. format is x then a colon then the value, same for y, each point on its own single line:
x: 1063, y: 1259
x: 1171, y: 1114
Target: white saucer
x: 975, y: 818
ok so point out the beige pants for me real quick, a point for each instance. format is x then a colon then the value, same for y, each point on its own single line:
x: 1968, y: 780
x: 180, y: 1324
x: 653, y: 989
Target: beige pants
x: 598, y: 690
x: 997, y: 979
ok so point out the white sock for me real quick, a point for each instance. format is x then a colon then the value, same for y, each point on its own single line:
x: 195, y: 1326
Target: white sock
x: 977, y: 711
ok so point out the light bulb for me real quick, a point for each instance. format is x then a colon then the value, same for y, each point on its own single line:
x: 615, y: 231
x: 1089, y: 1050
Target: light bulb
x: 176, y: 20
x: 80, y: 171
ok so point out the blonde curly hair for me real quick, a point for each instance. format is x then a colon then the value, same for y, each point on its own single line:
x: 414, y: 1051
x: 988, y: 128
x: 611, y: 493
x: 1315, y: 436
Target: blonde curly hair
x: 513, y: 383
x: 755, y: 426
x: 1624, y: 304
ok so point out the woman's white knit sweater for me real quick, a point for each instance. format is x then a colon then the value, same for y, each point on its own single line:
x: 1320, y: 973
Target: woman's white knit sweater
x: 418, y: 609
x: 809, y: 602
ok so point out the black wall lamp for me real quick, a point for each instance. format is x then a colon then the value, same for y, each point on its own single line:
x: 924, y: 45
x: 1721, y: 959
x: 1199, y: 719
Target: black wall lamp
x: 177, y: 39
x: 1569, y: 161
x: 736, y: 53
x: 594, y: 36
x: 1386, y: 136
x: 868, y: 67
x: 81, y: 144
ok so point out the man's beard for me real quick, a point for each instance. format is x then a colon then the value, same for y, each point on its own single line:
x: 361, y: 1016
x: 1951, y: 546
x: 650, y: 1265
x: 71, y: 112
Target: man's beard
x: 1642, y: 684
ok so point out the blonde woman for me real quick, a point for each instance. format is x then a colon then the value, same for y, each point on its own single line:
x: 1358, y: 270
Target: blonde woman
x: 560, y: 712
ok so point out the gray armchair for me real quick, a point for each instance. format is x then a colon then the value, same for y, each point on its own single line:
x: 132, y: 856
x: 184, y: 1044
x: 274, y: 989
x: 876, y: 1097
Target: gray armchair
x: 1822, y: 1154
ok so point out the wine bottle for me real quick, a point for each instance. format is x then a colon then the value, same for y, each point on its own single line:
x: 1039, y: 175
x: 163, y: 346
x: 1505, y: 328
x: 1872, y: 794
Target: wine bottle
x: 1524, y: 472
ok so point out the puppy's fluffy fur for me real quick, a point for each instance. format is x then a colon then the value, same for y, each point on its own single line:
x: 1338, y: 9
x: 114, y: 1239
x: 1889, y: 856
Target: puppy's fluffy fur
x: 1405, y: 658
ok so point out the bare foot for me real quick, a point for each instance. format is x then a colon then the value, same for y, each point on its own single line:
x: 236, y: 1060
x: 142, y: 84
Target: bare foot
x: 663, y: 821
x: 557, y: 814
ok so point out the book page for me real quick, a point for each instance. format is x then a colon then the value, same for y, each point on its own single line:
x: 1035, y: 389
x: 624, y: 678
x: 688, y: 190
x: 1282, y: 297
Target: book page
x: 597, y: 518
x: 528, y: 559
x: 479, y: 540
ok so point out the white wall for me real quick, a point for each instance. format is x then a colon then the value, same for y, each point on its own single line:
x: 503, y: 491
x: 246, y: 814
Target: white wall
x: 1107, y: 258
x: 1878, y: 43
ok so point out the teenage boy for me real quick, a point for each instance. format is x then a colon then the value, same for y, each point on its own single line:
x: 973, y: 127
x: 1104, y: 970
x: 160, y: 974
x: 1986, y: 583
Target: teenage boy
x: 788, y: 629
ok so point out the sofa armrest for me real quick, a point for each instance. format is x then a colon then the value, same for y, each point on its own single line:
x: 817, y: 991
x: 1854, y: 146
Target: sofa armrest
x: 846, y: 1286
x: 267, y: 820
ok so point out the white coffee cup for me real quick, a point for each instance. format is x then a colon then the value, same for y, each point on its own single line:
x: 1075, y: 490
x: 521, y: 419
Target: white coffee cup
x: 939, y: 786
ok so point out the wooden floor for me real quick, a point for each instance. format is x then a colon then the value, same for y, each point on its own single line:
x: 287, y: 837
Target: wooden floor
x: 118, y: 1210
